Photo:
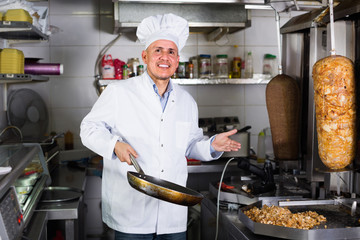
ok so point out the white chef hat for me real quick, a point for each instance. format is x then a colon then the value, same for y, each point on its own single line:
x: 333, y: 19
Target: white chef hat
x: 167, y: 26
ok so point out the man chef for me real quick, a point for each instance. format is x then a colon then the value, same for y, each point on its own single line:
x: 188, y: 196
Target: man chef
x: 156, y: 121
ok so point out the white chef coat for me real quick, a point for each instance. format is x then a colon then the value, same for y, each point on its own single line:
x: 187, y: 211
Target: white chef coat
x: 130, y: 111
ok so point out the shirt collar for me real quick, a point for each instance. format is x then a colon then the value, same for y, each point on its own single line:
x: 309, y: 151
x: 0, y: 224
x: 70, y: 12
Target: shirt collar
x: 156, y: 90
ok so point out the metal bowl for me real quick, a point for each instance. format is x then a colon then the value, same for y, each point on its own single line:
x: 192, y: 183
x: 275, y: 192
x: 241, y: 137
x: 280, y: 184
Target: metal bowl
x: 23, y: 190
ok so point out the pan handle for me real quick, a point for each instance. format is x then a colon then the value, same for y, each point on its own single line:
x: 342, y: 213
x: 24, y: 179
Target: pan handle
x: 136, y: 165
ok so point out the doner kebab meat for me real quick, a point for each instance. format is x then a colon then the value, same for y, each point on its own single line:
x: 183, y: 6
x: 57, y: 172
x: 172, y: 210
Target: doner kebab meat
x: 334, y: 96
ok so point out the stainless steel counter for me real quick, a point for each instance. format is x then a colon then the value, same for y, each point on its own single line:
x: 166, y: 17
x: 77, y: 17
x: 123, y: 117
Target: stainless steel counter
x: 230, y: 227
x: 69, y: 211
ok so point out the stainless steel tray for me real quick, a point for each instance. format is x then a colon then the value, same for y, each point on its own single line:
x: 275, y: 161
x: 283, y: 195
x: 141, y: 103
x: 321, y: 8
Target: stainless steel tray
x: 60, y: 194
x: 340, y: 223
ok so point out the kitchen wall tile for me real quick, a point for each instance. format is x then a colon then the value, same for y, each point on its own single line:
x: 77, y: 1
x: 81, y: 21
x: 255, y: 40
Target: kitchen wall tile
x: 218, y: 95
x: 73, y: 92
x: 257, y: 118
x: 68, y: 119
x: 192, y: 90
x: 78, y: 30
x: 262, y: 32
x: 107, y: 33
x: 74, y: 7
x: 187, y: 52
x: 41, y: 52
x: 79, y: 61
x: 255, y: 94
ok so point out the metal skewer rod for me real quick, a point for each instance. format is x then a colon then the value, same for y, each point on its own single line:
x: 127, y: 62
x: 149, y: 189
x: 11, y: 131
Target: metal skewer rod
x: 277, y: 19
x: 332, y: 34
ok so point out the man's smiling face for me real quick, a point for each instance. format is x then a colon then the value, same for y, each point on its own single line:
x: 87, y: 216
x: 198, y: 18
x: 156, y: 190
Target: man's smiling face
x: 162, y: 59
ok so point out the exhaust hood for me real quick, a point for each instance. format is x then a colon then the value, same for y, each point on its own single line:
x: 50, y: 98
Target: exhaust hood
x: 214, y: 17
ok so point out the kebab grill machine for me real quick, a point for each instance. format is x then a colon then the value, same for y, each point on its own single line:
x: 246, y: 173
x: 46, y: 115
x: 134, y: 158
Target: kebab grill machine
x: 314, y: 117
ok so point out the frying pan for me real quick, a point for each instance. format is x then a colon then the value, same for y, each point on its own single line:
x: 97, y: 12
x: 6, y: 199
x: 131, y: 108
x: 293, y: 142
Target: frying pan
x: 162, y: 189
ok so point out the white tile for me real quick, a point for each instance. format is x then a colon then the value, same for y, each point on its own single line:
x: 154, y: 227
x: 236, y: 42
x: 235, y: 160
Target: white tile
x: 75, y: 30
x: 74, y: 7
x: 187, y: 52
x: 192, y: 90
x: 42, y: 52
x: 68, y: 119
x: 262, y: 32
x: 73, y: 93
x: 255, y: 94
x: 78, y: 61
x: 218, y: 95
x: 257, y: 117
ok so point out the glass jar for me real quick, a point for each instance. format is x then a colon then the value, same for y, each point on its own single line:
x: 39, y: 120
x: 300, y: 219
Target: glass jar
x: 133, y: 64
x: 181, y: 70
x: 269, y: 65
x: 190, y: 73
x: 205, y: 66
x: 221, y: 66
x: 140, y: 69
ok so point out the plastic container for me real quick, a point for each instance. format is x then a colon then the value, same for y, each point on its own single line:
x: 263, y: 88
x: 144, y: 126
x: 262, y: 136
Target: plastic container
x: 236, y: 67
x: 269, y: 64
x: 221, y: 66
x: 12, y: 61
x: 107, y: 67
x: 20, y: 15
x: 261, y: 148
x: 248, y: 66
x: 205, y: 66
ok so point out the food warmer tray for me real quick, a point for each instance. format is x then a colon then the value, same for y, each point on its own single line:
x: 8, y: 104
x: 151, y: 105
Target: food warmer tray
x: 340, y: 223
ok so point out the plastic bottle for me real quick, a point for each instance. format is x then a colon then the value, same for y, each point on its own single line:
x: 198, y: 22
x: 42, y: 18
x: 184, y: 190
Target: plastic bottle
x: 248, y: 66
x: 261, y: 148
x: 125, y: 72
x: 69, y: 140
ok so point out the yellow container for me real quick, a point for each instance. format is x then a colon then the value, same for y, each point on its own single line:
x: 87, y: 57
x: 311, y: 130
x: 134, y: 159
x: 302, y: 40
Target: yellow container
x: 20, y: 15
x: 12, y: 61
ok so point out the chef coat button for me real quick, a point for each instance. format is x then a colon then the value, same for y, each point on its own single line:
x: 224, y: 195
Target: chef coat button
x: 162, y: 145
x: 173, y: 100
x: 162, y: 170
x: 162, y: 120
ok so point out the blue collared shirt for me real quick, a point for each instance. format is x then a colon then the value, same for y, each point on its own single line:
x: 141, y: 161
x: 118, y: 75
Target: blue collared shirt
x: 163, y: 99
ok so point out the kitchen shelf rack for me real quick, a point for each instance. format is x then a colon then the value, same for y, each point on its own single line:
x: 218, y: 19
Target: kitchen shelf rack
x: 16, y: 30
x: 257, y: 79
x: 19, y: 31
x: 21, y: 78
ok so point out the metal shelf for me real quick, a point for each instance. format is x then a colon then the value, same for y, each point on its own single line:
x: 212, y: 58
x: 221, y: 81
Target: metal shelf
x: 15, y: 30
x: 21, y: 78
x: 257, y: 79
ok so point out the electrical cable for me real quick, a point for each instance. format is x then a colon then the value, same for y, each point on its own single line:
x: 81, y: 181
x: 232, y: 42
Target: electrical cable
x: 218, y: 198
